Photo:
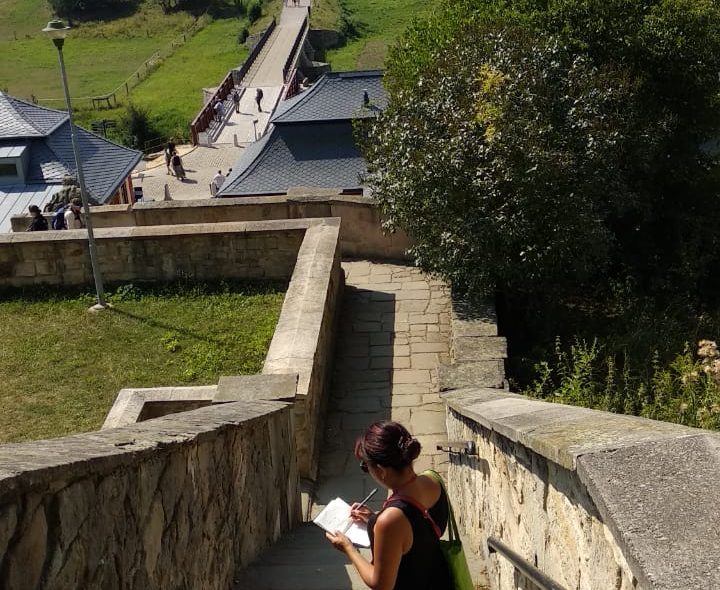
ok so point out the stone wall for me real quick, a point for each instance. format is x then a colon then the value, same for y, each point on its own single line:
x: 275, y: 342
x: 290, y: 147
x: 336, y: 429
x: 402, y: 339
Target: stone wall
x: 177, y: 502
x: 158, y: 253
x: 361, y: 233
x: 304, y: 338
x: 594, y: 500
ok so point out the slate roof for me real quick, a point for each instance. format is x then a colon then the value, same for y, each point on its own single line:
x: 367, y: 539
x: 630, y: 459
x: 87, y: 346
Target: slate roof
x: 321, y: 155
x: 335, y: 96
x: 21, y: 119
x: 311, y: 141
x: 46, y: 132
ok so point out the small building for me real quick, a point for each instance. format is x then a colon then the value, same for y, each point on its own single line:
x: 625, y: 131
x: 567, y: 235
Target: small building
x: 310, y: 143
x: 36, y: 155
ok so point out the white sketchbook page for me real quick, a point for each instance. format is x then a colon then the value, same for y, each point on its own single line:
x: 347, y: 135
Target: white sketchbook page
x: 336, y: 517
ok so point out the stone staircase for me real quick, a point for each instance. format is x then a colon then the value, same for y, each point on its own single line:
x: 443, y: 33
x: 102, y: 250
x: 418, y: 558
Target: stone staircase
x: 393, y: 336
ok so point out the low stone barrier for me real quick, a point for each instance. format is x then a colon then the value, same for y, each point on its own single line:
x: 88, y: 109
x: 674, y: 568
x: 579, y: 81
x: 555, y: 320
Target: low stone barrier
x: 594, y: 500
x: 361, y: 234
x: 160, y: 253
x: 181, y: 501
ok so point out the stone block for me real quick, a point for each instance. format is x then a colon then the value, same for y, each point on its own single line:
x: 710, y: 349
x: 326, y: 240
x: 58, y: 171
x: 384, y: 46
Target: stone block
x: 473, y: 374
x: 478, y: 348
x: 275, y: 387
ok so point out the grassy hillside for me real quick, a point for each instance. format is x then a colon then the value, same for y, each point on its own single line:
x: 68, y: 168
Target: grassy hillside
x: 99, y: 56
x: 375, y: 24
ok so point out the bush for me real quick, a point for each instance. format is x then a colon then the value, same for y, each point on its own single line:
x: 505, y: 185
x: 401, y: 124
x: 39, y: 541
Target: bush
x: 685, y: 391
x: 137, y: 127
x: 254, y: 12
x: 526, y: 149
x: 243, y: 35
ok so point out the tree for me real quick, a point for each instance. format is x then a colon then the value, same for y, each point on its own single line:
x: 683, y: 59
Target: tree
x: 537, y: 147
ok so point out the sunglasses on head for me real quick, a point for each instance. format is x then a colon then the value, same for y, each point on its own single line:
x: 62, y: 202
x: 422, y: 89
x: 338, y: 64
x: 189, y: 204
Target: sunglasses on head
x: 364, y: 466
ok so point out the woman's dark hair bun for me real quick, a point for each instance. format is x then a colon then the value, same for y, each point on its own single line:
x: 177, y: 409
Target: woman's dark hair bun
x: 388, y: 444
x: 412, y: 451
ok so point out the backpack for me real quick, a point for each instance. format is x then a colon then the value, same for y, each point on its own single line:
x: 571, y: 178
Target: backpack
x: 58, y: 220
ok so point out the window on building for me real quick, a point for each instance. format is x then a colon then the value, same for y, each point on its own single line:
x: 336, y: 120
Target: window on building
x: 8, y: 169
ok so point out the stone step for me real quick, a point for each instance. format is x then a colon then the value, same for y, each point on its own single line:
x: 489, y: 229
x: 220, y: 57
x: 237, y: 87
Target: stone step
x: 302, y: 560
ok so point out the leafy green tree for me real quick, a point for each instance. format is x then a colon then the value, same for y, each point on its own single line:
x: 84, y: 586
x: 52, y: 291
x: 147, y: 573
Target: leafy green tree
x: 537, y: 147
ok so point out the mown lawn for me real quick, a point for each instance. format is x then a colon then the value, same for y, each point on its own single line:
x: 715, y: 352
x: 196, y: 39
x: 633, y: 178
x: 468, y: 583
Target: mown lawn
x: 378, y: 24
x: 98, y: 55
x: 62, y: 366
x: 173, y: 92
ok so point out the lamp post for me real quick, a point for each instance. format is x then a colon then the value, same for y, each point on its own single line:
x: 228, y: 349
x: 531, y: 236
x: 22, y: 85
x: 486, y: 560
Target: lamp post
x: 57, y: 31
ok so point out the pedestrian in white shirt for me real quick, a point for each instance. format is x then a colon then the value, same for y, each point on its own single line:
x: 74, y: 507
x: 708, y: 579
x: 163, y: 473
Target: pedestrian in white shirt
x: 217, y: 182
x: 74, y: 218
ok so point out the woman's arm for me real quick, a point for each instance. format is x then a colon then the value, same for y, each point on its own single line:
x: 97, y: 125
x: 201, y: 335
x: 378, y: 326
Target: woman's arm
x: 393, y: 537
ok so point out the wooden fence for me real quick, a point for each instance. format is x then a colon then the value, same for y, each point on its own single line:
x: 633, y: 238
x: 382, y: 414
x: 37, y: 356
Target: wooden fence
x: 235, y: 77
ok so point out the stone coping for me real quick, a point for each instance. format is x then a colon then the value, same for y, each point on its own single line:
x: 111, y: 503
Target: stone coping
x: 35, y: 465
x: 308, y: 197
x: 656, y: 485
x: 155, y: 231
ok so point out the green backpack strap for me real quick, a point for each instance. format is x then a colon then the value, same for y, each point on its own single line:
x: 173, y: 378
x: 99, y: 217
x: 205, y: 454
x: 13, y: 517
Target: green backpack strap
x: 453, y: 534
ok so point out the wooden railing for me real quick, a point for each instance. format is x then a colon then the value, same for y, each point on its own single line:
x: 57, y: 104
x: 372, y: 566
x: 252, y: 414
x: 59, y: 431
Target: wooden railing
x: 207, y: 114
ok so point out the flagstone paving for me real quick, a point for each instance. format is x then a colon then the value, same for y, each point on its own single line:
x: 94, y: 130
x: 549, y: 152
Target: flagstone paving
x: 393, y: 333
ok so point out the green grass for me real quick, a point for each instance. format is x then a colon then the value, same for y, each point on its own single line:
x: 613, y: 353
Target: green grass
x: 62, y: 367
x: 173, y: 92
x: 98, y: 55
x: 378, y: 23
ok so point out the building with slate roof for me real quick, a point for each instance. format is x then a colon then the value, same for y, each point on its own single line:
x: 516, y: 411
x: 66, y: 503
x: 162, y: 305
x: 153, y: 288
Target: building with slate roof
x: 36, y: 154
x: 310, y: 143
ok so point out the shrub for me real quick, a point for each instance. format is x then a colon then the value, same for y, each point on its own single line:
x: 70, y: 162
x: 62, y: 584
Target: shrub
x: 254, y: 12
x: 243, y: 35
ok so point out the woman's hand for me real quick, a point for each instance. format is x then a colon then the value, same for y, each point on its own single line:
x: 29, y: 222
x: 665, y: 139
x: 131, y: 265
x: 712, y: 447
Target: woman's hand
x: 340, y: 542
x: 360, y: 513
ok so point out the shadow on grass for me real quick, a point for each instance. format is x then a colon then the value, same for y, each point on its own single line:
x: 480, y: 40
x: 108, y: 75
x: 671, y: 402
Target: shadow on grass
x: 170, y: 327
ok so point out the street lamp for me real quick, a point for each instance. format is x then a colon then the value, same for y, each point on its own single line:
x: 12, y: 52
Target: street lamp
x: 57, y: 30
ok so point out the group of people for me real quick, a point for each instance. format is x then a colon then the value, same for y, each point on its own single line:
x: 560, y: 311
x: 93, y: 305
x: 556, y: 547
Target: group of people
x: 173, y: 161
x: 68, y: 216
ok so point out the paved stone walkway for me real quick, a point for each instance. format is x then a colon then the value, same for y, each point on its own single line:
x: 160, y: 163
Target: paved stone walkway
x: 393, y: 334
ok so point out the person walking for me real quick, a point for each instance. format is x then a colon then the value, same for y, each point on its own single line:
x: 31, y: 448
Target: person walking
x: 258, y: 99
x: 169, y: 150
x: 218, y: 180
x: 236, y: 100
x: 178, y: 166
x: 217, y: 108
x: 38, y: 223
x: 73, y: 217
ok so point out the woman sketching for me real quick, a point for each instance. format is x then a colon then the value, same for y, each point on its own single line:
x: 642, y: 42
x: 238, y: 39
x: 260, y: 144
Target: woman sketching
x: 404, y: 536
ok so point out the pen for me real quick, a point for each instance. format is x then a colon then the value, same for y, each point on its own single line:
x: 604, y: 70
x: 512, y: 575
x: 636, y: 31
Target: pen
x: 370, y: 495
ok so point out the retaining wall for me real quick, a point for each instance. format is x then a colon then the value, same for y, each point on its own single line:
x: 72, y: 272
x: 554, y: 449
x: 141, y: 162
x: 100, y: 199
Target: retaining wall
x: 361, y: 233
x: 158, y: 253
x: 181, y: 501
x: 594, y: 500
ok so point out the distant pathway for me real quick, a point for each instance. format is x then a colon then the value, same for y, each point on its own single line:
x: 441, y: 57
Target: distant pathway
x: 202, y: 162
x: 394, y: 332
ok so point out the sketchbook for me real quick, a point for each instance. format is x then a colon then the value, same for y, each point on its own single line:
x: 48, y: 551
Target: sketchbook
x: 336, y: 517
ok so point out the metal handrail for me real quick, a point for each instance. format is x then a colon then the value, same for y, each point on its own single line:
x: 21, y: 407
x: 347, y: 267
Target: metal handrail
x: 523, y: 565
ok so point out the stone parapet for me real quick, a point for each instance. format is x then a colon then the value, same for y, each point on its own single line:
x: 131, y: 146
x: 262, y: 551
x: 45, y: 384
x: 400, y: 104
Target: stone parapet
x: 361, y: 234
x: 477, y: 353
x: 303, y: 341
x: 595, y: 500
x: 253, y: 250
x: 181, y: 501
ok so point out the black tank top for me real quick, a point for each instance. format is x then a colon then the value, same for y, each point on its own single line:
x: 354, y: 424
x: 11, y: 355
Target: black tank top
x: 424, y: 566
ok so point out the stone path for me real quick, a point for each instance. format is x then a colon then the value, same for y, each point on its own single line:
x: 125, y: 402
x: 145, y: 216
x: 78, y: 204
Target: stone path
x: 393, y: 334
